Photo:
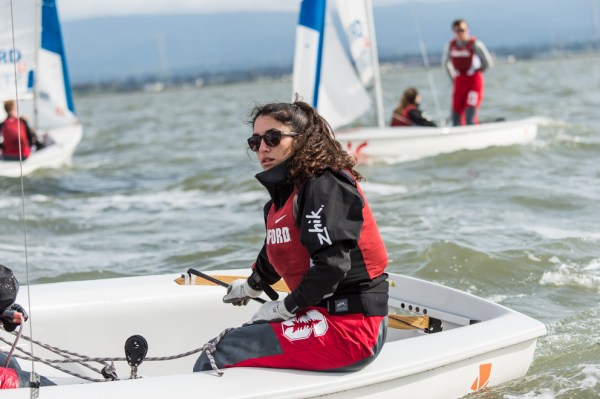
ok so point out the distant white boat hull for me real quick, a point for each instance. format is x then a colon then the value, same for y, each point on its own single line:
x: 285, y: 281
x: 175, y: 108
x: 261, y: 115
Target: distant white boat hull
x: 481, y: 343
x: 62, y: 143
x: 399, y: 144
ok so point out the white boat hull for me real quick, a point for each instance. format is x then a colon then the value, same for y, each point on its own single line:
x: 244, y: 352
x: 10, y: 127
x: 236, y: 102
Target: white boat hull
x: 59, y: 153
x: 400, y: 144
x: 96, y: 317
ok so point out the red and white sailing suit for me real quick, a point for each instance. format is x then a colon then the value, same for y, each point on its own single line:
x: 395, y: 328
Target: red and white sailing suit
x: 323, y: 241
x: 468, y: 81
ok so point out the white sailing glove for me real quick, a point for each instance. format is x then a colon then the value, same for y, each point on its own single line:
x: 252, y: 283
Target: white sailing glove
x: 239, y: 293
x: 271, y: 311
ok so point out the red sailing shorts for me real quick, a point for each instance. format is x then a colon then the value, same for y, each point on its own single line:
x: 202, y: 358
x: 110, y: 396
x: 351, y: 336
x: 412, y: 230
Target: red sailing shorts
x: 313, y: 340
x: 468, y: 92
x: 316, y: 340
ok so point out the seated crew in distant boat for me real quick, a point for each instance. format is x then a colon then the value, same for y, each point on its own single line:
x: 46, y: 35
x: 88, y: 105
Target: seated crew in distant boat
x: 323, y: 241
x: 408, y: 113
x: 11, y: 129
x: 11, y: 316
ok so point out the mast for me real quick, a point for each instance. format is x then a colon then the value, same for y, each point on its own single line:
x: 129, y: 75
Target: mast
x: 375, y: 60
x: 319, y: 21
x: 596, y: 23
x: 425, y: 57
x: 161, y: 43
x: 37, y: 45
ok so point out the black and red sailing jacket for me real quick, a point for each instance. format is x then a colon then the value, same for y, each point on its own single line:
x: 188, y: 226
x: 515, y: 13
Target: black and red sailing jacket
x: 403, y: 119
x: 323, y: 241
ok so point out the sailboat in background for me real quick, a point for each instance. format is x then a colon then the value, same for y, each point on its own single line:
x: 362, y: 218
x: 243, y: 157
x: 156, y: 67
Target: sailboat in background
x: 344, y: 90
x: 33, y: 70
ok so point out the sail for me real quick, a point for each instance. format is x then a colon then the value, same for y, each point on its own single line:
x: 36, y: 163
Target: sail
x: 323, y: 73
x: 44, y: 89
x: 307, y: 56
x: 17, y: 57
x: 55, y: 102
x: 354, y: 20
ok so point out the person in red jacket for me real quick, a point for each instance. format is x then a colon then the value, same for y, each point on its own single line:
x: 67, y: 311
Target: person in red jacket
x: 323, y: 241
x: 465, y: 59
x: 407, y: 113
x: 16, y: 134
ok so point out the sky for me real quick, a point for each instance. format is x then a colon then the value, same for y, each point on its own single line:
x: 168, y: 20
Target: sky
x: 80, y: 9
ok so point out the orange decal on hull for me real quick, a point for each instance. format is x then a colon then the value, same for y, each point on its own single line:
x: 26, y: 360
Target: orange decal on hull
x: 484, y: 377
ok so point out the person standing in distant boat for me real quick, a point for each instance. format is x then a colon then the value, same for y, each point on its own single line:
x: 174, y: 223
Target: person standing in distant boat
x: 408, y: 113
x: 465, y: 59
x: 322, y: 239
x: 11, y: 129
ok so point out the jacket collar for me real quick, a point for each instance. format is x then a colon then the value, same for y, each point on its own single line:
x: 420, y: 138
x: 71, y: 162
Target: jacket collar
x: 276, y: 182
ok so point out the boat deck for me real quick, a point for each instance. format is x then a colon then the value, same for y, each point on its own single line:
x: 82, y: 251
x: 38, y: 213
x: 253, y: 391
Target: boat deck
x: 95, y: 318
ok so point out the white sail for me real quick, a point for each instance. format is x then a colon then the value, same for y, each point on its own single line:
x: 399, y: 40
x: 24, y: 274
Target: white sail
x: 306, y: 63
x: 323, y: 74
x: 33, y: 69
x: 48, y: 81
x: 354, y: 20
x: 18, y: 55
x: 53, y: 103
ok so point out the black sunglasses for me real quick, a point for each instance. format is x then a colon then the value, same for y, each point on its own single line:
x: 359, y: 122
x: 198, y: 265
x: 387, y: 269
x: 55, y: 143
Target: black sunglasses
x: 272, y: 138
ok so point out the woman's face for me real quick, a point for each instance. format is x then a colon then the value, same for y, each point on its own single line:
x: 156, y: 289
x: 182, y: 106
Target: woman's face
x: 272, y: 156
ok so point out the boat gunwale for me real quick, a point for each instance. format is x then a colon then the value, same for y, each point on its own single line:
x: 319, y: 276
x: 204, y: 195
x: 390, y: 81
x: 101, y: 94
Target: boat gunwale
x: 420, y: 132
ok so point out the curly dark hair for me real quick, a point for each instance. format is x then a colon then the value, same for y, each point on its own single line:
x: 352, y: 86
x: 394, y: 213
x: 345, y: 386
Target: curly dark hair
x: 315, y: 148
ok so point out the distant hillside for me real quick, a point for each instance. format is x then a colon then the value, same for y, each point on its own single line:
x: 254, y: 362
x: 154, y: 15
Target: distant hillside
x: 117, y: 48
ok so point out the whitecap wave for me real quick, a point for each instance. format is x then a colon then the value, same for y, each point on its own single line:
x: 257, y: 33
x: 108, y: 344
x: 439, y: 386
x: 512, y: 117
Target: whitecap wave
x: 561, y: 234
x: 383, y: 189
x: 542, y: 394
x: 568, y: 275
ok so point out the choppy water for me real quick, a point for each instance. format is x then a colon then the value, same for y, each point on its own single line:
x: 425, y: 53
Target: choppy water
x: 163, y: 181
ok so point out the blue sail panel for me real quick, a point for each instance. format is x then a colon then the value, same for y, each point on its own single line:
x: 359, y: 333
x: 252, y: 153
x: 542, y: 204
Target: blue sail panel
x: 312, y: 16
x: 52, y: 41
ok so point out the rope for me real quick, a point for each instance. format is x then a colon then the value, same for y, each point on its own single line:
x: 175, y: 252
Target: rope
x: 23, y: 213
x: 72, y: 357
x: 210, y: 347
x: 14, y: 345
